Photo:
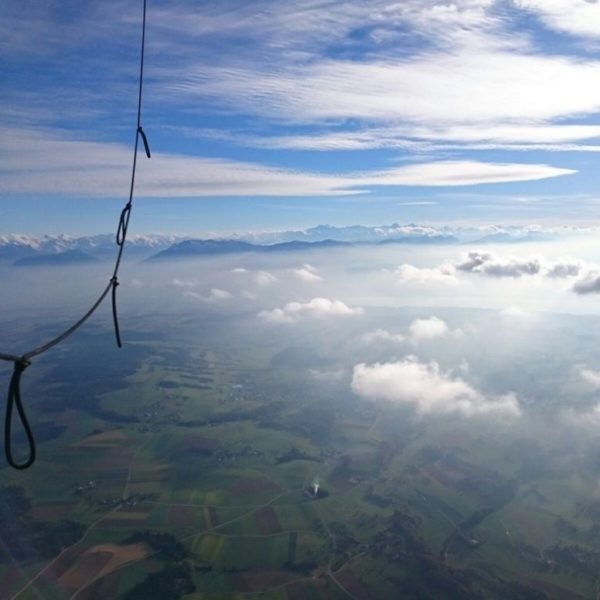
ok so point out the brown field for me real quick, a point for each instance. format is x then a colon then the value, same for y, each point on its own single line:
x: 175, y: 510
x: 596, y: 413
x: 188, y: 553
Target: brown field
x: 102, y: 589
x: 253, y: 485
x: 266, y: 521
x: 63, y: 563
x: 130, y: 515
x: 85, y: 568
x: 100, y: 561
x: 299, y: 589
x: 114, y: 461
x: 353, y: 584
x: 53, y: 510
x: 181, y: 516
x: 263, y: 579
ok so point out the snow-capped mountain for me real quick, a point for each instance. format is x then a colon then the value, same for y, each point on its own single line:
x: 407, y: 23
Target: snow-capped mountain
x: 17, y: 246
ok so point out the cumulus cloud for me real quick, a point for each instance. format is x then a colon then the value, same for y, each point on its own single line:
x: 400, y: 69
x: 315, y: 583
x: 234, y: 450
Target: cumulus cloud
x: 215, y: 295
x: 487, y: 263
x: 588, y: 284
x: 422, y: 330
x: 490, y: 264
x: 183, y: 283
x: 307, y: 273
x: 429, y: 389
x: 591, y: 377
x: 382, y: 335
x: 264, y: 278
x: 442, y: 274
x: 260, y: 278
x: 564, y: 267
x: 317, y: 308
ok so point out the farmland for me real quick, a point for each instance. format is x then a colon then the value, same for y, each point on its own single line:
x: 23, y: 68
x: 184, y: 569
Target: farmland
x: 172, y: 473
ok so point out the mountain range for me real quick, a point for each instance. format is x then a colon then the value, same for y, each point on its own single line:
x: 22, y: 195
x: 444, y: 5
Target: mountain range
x: 26, y: 250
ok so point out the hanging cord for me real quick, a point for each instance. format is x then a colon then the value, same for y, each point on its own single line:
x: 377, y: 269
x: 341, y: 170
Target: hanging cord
x: 22, y: 362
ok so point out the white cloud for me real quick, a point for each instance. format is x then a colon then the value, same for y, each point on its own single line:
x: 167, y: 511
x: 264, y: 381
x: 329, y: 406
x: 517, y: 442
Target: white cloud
x: 423, y: 330
x: 498, y: 87
x: 219, y: 294
x: 307, y: 273
x: 487, y: 263
x: 54, y: 164
x: 430, y: 138
x: 317, y: 308
x: 591, y: 377
x: 260, y: 278
x: 183, y: 283
x: 588, y: 284
x: 494, y: 266
x: 264, y: 278
x: 382, y: 335
x: 442, y: 274
x: 428, y: 389
x: 215, y: 295
x: 466, y: 172
x: 576, y: 17
x: 479, y: 85
x: 564, y: 267
x: 515, y: 312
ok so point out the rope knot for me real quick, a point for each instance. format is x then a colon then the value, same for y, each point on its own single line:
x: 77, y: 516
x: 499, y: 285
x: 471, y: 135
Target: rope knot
x: 21, y: 364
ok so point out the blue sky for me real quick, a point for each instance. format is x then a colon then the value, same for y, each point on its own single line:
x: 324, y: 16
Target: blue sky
x: 267, y: 115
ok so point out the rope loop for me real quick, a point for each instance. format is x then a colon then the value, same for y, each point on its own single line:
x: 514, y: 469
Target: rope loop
x: 145, y: 141
x: 14, y: 400
x: 123, y: 224
x: 115, y: 283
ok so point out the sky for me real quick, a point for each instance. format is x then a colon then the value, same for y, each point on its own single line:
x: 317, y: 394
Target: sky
x: 266, y: 115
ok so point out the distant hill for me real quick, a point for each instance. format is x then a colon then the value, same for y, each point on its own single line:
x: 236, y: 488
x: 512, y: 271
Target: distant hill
x: 507, y: 238
x: 421, y: 239
x: 191, y: 248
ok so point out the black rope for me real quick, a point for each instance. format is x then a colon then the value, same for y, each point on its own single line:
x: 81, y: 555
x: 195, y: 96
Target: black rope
x: 22, y: 362
x: 14, y: 400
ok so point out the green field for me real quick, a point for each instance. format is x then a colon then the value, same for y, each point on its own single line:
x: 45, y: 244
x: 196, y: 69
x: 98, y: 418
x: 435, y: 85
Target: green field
x: 213, y: 451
